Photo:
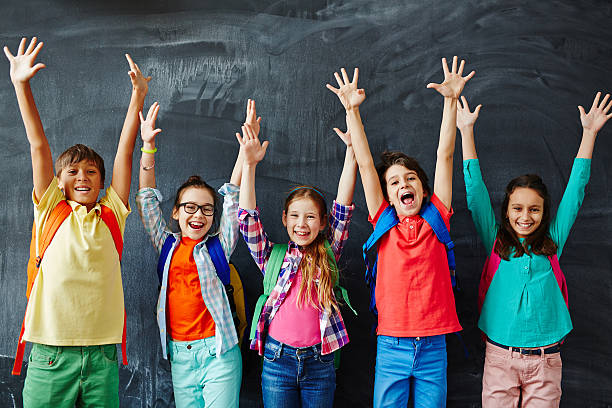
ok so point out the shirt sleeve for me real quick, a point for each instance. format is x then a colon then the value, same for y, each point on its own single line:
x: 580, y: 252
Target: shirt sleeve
x: 254, y: 235
x: 339, y: 220
x: 228, y: 231
x: 112, y: 200
x: 479, y: 203
x: 570, y: 203
x: 148, y: 202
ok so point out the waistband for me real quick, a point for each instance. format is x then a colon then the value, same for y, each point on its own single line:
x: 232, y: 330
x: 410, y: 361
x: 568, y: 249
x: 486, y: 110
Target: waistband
x: 279, y: 347
x: 556, y: 348
x: 192, y: 345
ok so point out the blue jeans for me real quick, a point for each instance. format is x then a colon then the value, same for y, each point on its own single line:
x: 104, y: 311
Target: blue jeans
x: 297, y: 377
x: 410, y: 365
x: 200, y: 378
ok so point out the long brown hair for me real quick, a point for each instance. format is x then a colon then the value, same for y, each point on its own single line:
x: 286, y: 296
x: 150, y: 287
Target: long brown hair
x: 315, y: 263
x: 538, y: 242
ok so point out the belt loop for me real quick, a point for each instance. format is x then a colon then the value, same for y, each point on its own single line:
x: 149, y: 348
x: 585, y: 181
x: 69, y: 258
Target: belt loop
x: 542, y: 355
x: 511, y: 352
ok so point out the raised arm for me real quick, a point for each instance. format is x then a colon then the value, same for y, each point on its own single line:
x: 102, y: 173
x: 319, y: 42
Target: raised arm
x: 122, y: 168
x: 451, y: 90
x: 254, y: 152
x: 254, y: 122
x: 592, y: 123
x: 22, y: 70
x: 346, y: 185
x: 465, y: 123
x: 148, y: 132
x: 351, y: 98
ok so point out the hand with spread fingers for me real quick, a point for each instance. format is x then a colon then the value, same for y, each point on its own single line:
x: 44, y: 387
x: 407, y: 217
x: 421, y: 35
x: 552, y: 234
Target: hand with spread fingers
x: 253, y: 150
x: 350, y: 96
x: 598, y: 114
x: 453, y: 80
x: 147, y: 127
x: 23, y: 67
x: 465, y: 118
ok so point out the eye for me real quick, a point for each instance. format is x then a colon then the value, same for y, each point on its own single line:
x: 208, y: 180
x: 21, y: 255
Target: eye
x: 411, y: 178
x: 191, y: 208
x: 311, y: 217
x: 516, y: 208
x: 91, y: 171
x: 71, y: 171
x: 535, y: 210
x: 394, y: 182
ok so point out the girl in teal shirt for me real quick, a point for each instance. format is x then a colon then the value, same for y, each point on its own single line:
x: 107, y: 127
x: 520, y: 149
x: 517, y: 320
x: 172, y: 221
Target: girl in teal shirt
x: 524, y: 314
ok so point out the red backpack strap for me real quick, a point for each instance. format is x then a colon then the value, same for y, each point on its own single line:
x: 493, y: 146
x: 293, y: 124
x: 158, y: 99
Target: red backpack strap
x: 554, y: 262
x: 58, y: 215
x: 108, y: 216
x: 488, y: 271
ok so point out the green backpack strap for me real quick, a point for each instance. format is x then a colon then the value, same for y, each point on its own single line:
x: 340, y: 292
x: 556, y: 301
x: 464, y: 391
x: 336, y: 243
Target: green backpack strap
x: 273, y: 268
x: 337, y: 288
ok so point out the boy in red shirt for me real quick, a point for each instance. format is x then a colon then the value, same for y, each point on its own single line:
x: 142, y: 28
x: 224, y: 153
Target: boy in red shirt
x: 414, y: 296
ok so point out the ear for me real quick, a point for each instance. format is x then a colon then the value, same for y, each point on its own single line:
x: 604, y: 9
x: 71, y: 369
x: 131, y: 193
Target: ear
x: 285, y: 219
x: 323, y: 223
x: 175, y: 213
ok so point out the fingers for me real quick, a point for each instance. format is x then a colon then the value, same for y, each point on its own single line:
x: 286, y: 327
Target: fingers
x: 8, y: 54
x: 454, y: 68
x: 259, y: 119
x: 328, y: 86
x: 338, y: 80
x: 608, y: 107
x: 477, y: 110
x: 240, y: 141
x: 21, y: 46
x: 37, y: 50
x: 345, y: 76
x: 434, y: 85
x: 248, y: 110
x: 31, y: 45
x: 581, y: 110
x: 155, y: 112
x: 130, y: 62
x: 469, y: 76
x: 264, y: 146
x: 444, y: 68
x: 464, y: 102
x: 38, y: 67
x: 141, y: 117
x: 355, y: 76
x: 605, y: 100
x: 460, y: 71
x: 596, y: 101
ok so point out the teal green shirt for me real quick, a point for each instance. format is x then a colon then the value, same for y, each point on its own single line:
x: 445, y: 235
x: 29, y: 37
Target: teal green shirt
x: 524, y: 306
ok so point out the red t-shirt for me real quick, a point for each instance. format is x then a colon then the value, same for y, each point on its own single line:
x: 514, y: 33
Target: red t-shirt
x: 414, y: 296
x: 188, y: 317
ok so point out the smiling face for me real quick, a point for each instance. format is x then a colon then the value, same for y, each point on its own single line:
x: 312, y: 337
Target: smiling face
x: 525, y: 211
x: 197, y: 225
x: 81, y: 182
x: 404, y: 190
x: 303, y: 220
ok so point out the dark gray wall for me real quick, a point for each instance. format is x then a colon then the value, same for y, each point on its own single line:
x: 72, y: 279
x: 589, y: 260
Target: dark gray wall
x: 535, y: 61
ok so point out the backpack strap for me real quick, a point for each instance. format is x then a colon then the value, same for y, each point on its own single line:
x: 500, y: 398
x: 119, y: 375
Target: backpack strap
x: 554, y: 262
x: 273, y: 267
x: 163, y: 255
x: 488, y: 271
x: 433, y: 217
x: 215, y: 250
x: 338, y: 289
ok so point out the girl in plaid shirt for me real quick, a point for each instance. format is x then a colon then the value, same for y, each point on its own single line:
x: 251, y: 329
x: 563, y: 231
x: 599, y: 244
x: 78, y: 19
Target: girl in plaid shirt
x: 300, y: 324
x: 193, y: 313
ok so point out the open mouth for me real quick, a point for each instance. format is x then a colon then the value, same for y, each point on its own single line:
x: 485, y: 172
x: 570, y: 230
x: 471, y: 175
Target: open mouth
x: 523, y: 225
x: 407, y: 198
x: 82, y: 189
x: 196, y: 225
x: 302, y: 234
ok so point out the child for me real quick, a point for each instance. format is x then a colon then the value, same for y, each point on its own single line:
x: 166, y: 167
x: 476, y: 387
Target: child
x: 193, y: 308
x: 414, y: 296
x: 300, y: 325
x: 524, y: 314
x: 75, y: 313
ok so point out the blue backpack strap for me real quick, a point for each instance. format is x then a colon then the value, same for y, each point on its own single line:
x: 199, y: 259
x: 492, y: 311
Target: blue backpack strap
x: 163, y: 255
x: 215, y: 250
x: 433, y: 217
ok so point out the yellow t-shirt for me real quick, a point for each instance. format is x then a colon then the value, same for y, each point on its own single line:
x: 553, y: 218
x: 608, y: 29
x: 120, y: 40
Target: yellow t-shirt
x: 77, y: 297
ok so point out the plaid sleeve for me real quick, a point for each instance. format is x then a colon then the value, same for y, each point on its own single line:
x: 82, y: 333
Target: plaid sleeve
x: 339, y: 220
x: 148, y: 202
x: 228, y: 229
x: 254, y: 235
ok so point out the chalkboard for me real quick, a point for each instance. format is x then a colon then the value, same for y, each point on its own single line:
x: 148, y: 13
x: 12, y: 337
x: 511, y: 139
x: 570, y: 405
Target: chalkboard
x: 534, y: 62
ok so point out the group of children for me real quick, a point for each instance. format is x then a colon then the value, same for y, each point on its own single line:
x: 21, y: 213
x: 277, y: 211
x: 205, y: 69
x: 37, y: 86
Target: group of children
x: 75, y: 316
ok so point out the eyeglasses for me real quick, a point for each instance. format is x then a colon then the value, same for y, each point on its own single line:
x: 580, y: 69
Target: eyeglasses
x: 192, y: 208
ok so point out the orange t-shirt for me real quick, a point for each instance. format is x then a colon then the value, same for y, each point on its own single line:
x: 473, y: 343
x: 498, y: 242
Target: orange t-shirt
x: 414, y: 296
x: 187, y: 315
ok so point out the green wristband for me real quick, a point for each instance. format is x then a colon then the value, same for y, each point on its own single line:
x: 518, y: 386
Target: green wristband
x: 142, y: 149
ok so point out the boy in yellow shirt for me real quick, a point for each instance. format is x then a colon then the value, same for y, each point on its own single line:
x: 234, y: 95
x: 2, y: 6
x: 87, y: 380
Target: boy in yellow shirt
x: 75, y: 312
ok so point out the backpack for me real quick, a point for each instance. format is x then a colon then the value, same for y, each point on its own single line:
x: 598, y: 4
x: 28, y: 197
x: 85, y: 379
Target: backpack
x: 227, y: 273
x: 491, y: 265
x: 387, y: 220
x: 273, y: 268
x: 58, y: 215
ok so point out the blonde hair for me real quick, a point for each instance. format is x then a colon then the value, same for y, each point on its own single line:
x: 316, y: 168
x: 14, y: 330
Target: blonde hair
x: 315, y: 263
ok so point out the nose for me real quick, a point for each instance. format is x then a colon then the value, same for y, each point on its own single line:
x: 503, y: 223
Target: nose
x: 302, y: 221
x: 82, y: 175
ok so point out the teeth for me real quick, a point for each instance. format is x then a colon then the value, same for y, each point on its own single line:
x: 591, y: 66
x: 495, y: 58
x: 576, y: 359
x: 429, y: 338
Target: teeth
x: 82, y: 189
x: 196, y: 225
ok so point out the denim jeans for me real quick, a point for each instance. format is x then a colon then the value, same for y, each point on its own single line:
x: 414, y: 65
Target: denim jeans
x: 410, y: 365
x: 297, y: 377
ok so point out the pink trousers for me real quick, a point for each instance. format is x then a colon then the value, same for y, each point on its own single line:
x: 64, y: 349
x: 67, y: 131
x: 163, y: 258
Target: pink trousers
x: 508, y: 374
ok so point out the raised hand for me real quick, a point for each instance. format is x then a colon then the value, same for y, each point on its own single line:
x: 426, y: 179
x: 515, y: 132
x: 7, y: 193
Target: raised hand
x: 22, y: 65
x: 350, y: 96
x: 465, y: 118
x: 139, y: 82
x: 453, y: 81
x: 253, y: 150
x: 147, y: 126
x: 597, y: 116
x: 251, y: 114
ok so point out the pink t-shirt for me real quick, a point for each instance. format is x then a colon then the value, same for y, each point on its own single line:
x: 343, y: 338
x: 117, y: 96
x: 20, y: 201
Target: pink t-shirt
x: 294, y: 325
x: 414, y: 296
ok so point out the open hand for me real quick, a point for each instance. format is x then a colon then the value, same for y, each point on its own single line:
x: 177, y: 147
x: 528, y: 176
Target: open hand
x: 147, y: 126
x: 348, y: 93
x: 251, y: 114
x: 597, y: 116
x: 453, y: 81
x: 22, y: 65
x: 139, y: 82
x: 465, y: 118
x: 253, y: 150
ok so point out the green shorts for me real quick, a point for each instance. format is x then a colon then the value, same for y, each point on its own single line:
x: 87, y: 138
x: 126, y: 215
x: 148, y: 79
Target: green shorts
x: 63, y: 376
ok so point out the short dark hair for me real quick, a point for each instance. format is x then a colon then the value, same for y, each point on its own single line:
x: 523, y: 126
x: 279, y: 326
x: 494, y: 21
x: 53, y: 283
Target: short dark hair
x: 76, y: 154
x: 388, y: 159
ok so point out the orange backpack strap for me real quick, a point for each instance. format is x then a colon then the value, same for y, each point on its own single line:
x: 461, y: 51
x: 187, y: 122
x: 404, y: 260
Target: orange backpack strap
x: 58, y: 215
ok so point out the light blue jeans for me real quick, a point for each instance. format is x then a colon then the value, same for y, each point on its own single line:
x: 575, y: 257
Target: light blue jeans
x: 410, y: 365
x: 200, y: 378
x: 297, y: 377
